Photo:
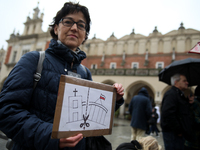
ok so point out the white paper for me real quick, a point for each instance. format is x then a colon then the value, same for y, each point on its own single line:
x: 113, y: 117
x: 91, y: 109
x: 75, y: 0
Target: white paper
x: 85, y: 108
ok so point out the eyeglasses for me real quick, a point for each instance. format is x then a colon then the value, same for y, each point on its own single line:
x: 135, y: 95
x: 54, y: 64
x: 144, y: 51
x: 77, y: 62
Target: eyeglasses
x: 68, y: 22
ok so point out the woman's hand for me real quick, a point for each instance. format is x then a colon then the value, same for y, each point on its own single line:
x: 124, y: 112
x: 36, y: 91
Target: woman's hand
x: 120, y: 90
x: 71, y: 141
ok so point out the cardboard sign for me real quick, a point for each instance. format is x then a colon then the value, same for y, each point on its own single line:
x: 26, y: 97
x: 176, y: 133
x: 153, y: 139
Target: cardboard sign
x: 83, y: 107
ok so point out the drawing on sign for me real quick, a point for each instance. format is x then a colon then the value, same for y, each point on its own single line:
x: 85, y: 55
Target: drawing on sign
x: 96, y: 112
x: 85, y: 108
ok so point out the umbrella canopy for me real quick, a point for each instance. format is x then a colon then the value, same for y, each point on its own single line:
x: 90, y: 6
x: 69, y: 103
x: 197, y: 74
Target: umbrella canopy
x: 190, y: 67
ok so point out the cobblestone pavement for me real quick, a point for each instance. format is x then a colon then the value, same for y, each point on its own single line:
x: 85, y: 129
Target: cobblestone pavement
x: 121, y: 133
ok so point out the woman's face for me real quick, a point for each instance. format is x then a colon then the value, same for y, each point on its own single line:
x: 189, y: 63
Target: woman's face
x: 72, y: 36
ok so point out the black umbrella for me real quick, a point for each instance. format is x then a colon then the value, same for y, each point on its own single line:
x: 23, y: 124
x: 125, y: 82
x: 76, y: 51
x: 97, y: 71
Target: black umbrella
x: 190, y: 67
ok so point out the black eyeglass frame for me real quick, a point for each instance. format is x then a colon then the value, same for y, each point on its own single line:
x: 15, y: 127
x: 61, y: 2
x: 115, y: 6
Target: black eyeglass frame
x: 74, y: 22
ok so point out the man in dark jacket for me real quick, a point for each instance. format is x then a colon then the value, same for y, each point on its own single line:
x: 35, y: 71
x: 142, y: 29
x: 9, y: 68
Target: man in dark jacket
x: 175, y: 114
x: 140, y: 110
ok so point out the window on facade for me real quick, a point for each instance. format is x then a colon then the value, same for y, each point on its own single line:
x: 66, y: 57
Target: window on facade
x: 75, y: 104
x: 25, y: 51
x: 14, y: 56
x: 135, y: 65
x: 38, y: 49
x: 94, y: 66
x: 112, y: 65
x: 159, y: 65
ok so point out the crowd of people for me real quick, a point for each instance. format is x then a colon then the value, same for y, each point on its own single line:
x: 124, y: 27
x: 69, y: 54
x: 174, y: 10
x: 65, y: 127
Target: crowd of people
x: 180, y: 116
x: 26, y: 114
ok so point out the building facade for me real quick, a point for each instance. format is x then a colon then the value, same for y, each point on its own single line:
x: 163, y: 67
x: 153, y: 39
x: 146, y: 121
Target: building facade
x: 133, y: 60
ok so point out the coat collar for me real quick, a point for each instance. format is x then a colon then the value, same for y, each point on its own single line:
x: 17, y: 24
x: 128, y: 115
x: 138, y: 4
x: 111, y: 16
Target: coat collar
x: 64, y: 53
x: 178, y: 90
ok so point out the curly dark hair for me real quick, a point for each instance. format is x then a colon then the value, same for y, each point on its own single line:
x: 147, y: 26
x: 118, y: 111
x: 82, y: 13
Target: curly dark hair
x: 70, y: 8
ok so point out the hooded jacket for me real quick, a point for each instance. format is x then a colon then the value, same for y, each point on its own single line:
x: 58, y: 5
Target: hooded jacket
x: 26, y: 115
x: 140, y: 109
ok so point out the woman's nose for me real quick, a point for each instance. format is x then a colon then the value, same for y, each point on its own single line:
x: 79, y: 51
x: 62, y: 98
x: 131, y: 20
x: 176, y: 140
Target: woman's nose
x: 74, y: 27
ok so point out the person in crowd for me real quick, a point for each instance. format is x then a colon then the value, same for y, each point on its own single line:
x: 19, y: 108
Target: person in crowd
x: 144, y: 143
x: 153, y: 122
x: 26, y: 115
x: 152, y: 105
x: 176, y: 118
x: 140, y: 110
x: 195, y: 143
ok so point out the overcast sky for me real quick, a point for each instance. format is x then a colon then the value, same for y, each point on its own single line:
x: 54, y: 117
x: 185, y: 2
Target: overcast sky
x: 108, y: 16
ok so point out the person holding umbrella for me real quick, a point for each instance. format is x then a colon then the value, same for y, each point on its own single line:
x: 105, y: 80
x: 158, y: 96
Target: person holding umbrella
x: 189, y: 67
x: 176, y: 118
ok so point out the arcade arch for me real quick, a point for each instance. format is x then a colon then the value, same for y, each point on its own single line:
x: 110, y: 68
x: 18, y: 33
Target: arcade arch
x: 164, y: 91
x: 133, y: 90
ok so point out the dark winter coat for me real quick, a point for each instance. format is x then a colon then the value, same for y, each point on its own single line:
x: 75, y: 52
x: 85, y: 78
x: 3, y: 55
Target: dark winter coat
x: 154, y: 117
x: 26, y: 115
x: 175, y: 113
x: 140, y: 109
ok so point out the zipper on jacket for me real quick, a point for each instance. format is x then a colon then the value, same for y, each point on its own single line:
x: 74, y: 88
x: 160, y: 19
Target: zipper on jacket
x: 72, y: 66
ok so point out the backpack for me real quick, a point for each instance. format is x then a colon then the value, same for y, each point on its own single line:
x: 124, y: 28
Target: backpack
x: 37, y: 75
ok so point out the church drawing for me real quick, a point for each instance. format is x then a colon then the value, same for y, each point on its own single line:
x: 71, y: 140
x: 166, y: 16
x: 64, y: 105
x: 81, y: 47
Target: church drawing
x: 85, y: 110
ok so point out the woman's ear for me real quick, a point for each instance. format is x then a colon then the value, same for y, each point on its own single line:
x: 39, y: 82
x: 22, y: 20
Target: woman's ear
x: 84, y: 39
x: 56, y: 29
